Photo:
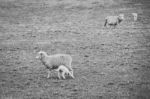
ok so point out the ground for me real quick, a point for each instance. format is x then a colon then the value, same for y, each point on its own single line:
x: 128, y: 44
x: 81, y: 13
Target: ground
x: 108, y: 63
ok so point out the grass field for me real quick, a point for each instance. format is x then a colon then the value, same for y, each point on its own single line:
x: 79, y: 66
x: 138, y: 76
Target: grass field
x: 108, y: 63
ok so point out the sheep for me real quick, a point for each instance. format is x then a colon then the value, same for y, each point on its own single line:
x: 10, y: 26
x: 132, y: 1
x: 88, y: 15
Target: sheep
x: 135, y: 16
x: 63, y: 70
x: 52, y: 62
x: 114, y: 20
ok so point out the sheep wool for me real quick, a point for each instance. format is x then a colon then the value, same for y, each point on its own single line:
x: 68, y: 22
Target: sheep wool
x: 63, y: 70
x: 52, y: 62
x: 114, y: 20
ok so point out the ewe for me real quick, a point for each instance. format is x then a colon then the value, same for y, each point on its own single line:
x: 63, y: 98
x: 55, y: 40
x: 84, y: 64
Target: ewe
x: 52, y: 62
x: 63, y: 71
x: 114, y: 20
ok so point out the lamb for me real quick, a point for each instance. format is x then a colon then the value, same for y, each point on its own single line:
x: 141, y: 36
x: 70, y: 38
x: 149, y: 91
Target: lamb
x: 135, y: 16
x: 52, y: 62
x: 114, y: 20
x: 63, y: 70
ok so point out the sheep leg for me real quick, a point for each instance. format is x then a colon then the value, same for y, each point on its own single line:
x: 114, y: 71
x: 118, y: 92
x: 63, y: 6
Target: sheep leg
x: 48, y: 74
x: 63, y: 75
x: 72, y: 74
x: 105, y: 23
x: 59, y: 75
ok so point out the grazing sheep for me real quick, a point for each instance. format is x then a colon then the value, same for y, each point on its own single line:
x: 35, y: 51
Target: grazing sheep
x: 114, y: 20
x: 52, y: 62
x: 63, y: 71
x: 135, y: 16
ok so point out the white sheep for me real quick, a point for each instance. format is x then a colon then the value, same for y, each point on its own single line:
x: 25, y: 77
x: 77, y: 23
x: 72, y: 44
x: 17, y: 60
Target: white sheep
x: 52, y: 62
x: 63, y: 71
x: 135, y: 16
x: 114, y: 20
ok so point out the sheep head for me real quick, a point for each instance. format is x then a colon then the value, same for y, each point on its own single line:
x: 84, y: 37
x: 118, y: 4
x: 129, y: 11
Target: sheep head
x: 41, y: 55
x: 120, y: 18
x: 135, y: 15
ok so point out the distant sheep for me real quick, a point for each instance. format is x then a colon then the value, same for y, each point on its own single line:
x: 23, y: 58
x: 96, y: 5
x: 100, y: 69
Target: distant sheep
x: 114, y: 20
x: 63, y: 71
x: 135, y: 16
x: 52, y: 62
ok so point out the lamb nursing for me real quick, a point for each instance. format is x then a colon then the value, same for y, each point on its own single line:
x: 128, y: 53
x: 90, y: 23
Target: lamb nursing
x: 52, y: 62
x: 62, y: 71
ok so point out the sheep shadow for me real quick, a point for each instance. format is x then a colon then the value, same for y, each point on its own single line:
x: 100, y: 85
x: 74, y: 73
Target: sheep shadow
x: 56, y: 78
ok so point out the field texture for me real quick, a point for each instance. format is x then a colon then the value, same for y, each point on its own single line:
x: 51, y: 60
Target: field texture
x: 108, y: 63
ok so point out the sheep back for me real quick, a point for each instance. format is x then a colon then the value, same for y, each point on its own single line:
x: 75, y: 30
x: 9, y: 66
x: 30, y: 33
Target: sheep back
x: 59, y: 59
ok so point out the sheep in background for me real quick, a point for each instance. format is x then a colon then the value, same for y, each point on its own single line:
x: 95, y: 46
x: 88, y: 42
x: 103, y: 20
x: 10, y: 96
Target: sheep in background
x: 63, y: 71
x: 135, y: 16
x: 114, y: 20
x: 52, y: 62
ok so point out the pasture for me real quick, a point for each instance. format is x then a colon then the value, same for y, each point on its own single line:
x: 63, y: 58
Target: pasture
x: 108, y: 63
